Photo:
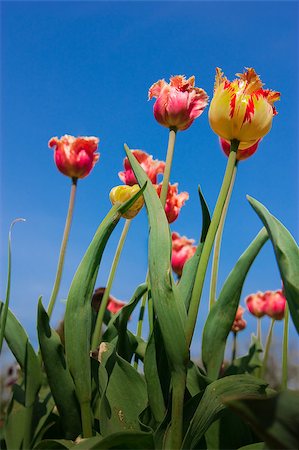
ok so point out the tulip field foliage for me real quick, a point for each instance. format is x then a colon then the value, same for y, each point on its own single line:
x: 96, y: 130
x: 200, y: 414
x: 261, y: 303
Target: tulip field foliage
x: 105, y: 387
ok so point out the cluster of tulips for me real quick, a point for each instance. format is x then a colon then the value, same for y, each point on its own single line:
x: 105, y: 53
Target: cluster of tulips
x: 94, y: 384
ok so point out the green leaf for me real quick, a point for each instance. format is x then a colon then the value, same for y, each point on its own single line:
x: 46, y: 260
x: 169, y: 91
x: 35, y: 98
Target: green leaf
x: 186, y: 283
x: 77, y: 322
x: 123, y: 395
x: 196, y: 381
x: 212, y: 403
x: 255, y: 446
x: 287, y: 256
x: 21, y: 348
x: 168, y: 306
x: 275, y: 419
x: 222, y: 314
x: 59, y: 377
x: 118, y: 325
x: 4, y: 310
x: 54, y: 444
x: 15, y: 428
x: 122, y: 441
x: 249, y: 362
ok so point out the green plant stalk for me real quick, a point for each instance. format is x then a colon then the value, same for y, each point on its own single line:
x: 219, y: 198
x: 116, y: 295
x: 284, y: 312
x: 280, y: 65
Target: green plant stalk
x: 234, y: 350
x: 259, y: 329
x: 169, y: 156
x: 4, y: 310
x: 217, y: 245
x: 65, y: 237
x: 99, y: 322
x: 267, y: 349
x: 86, y: 419
x: 28, y: 427
x: 140, y: 323
x: 285, y: 343
x: 203, y: 263
x: 178, y: 392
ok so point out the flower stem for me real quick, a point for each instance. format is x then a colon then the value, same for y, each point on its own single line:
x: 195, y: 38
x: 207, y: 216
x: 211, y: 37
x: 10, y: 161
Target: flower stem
x: 98, y: 327
x: 86, y: 419
x: 140, y: 323
x: 259, y: 330
x: 217, y: 245
x: 267, y: 349
x: 178, y: 393
x: 234, y: 351
x: 284, y: 380
x: 203, y: 263
x: 169, y: 156
x: 65, y: 237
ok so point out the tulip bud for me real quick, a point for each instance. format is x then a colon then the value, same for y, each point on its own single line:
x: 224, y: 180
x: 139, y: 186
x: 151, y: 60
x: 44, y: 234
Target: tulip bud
x: 75, y: 157
x: 120, y: 194
x: 275, y: 303
x: 256, y: 304
x: 178, y: 102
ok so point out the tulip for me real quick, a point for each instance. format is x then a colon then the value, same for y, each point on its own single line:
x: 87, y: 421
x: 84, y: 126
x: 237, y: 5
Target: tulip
x: 120, y: 194
x: 242, y: 152
x: 256, y: 304
x: 114, y: 305
x: 239, y: 323
x: 152, y: 168
x: 241, y: 109
x: 178, y: 102
x: 182, y: 250
x: 75, y: 157
x: 174, y: 201
x: 275, y: 304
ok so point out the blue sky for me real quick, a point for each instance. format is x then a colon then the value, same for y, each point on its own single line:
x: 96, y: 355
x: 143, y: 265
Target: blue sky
x: 84, y: 68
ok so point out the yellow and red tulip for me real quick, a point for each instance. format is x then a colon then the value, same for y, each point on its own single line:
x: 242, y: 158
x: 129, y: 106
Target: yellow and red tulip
x: 241, y: 109
x: 121, y: 194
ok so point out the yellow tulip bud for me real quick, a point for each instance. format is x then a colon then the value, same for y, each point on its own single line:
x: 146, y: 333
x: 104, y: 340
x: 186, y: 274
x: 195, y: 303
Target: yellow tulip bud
x: 121, y: 194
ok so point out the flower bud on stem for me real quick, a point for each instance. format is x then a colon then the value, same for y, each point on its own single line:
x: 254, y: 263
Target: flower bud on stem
x: 203, y: 263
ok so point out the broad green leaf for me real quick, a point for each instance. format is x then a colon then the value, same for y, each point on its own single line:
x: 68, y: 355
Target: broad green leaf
x: 287, y: 256
x: 42, y: 414
x: 249, y: 362
x: 123, y: 441
x: 222, y: 314
x: 59, y: 377
x: 21, y: 348
x: 256, y: 446
x: 168, y: 306
x: 274, y: 419
x: 196, y: 381
x: 77, y: 322
x: 123, y: 396
x: 55, y: 444
x: 15, y: 428
x: 118, y: 325
x: 186, y: 283
x: 212, y: 403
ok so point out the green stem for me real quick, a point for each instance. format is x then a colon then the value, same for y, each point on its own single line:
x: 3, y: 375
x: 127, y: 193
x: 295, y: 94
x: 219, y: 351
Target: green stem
x: 86, y: 419
x: 140, y: 323
x: 65, y: 237
x: 203, y: 263
x: 169, y: 156
x: 234, y: 351
x: 217, y: 245
x: 259, y: 330
x: 267, y: 349
x: 28, y: 416
x: 284, y: 380
x: 178, y: 392
x: 98, y: 327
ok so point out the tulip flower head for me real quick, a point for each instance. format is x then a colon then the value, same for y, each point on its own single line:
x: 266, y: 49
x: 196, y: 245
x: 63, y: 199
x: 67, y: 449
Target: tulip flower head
x: 120, y: 194
x: 242, y: 153
x: 256, y: 304
x: 174, y: 201
x: 178, y: 102
x: 182, y: 250
x: 152, y: 168
x: 275, y: 303
x: 239, y: 323
x: 75, y: 157
x: 241, y: 109
x: 114, y: 305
